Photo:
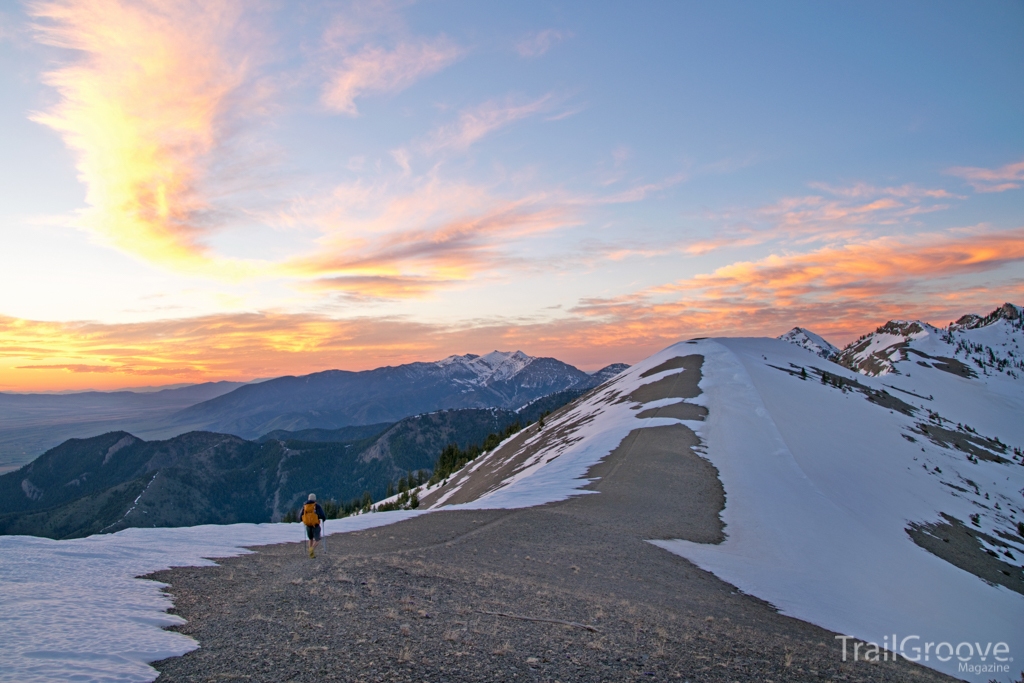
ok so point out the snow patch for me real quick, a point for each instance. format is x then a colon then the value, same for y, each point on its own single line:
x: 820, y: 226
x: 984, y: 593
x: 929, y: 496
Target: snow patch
x: 61, y: 619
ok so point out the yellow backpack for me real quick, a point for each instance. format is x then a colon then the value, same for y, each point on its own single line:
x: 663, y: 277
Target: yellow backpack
x: 309, y: 516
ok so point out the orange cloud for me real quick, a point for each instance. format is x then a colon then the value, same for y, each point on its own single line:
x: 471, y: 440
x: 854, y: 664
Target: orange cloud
x: 840, y: 292
x: 1008, y: 177
x: 146, y: 105
x: 386, y: 242
x: 44, y: 355
x: 837, y: 291
x: 446, y: 233
x: 370, y: 287
x: 865, y: 269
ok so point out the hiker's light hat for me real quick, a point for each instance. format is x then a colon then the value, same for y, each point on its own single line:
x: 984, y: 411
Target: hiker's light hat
x: 312, y: 497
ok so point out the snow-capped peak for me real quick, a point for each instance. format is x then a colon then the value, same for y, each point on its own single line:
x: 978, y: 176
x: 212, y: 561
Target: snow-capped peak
x: 973, y: 345
x: 1008, y: 312
x: 492, y: 367
x: 876, y: 353
x: 810, y: 341
x: 991, y: 344
x: 500, y: 365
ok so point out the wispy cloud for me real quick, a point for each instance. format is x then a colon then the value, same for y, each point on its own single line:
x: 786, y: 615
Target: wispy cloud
x: 438, y: 249
x: 401, y: 157
x: 475, y: 123
x: 377, y: 287
x: 640, y: 192
x: 860, y: 204
x: 1008, y: 177
x: 125, y: 374
x: 536, y: 44
x: 866, y: 190
x: 148, y: 101
x: 374, y: 69
x: 835, y: 213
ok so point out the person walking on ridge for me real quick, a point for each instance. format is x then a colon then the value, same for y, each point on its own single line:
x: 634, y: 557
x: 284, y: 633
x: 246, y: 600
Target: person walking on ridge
x: 312, y: 516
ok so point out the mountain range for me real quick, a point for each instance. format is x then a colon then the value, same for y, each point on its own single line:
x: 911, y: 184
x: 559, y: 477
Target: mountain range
x: 90, y: 485
x: 116, y: 480
x: 32, y: 423
x: 338, y: 398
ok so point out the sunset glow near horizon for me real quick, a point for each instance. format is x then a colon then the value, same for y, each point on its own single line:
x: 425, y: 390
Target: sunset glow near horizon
x: 227, y: 190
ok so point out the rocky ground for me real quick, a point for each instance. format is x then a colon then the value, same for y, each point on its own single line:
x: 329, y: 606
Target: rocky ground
x: 569, y: 591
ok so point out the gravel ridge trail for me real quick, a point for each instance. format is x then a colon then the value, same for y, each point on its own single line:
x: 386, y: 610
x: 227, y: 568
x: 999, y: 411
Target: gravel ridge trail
x: 569, y: 591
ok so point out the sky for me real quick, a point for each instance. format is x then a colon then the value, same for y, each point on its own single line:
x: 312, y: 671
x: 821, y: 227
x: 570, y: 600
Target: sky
x: 197, y: 190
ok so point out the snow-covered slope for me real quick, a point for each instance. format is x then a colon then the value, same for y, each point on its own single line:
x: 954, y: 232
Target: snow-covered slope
x: 823, y: 481
x: 830, y: 478
x: 808, y: 340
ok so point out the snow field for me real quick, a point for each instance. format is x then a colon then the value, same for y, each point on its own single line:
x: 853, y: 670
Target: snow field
x: 73, y: 611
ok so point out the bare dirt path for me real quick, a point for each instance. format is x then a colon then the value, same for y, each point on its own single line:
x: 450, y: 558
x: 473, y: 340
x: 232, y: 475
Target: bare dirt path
x: 569, y: 591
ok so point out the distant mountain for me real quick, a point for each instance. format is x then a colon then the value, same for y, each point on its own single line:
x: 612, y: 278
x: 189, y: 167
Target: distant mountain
x: 810, y: 341
x: 30, y: 424
x: 973, y: 344
x: 338, y: 398
x: 607, y: 372
x: 116, y: 480
x: 33, y: 423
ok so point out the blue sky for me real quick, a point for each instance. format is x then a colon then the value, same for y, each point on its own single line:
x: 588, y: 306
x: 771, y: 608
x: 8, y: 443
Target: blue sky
x: 356, y: 184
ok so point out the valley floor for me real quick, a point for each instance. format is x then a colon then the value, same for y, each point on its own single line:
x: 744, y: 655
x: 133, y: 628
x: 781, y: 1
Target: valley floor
x: 569, y: 591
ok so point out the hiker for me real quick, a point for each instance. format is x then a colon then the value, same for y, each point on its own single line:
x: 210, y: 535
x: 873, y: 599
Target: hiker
x: 312, y: 515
